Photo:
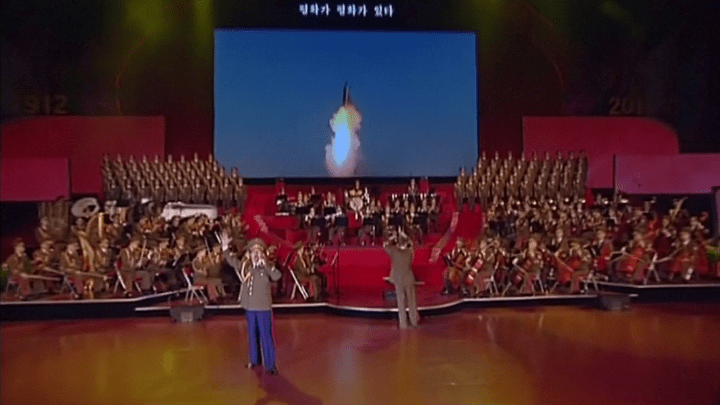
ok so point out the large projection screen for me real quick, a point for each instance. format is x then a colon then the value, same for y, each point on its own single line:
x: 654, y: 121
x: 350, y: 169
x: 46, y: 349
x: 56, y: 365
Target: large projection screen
x: 344, y: 103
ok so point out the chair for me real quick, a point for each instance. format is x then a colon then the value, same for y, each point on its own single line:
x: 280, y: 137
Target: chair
x: 652, y: 270
x: 285, y: 267
x: 592, y: 278
x: 193, y: 291
x: 536, y: 279
x: 67, y: 286
x: 492, y: 284
x: 12, y: 283
x: 297, y: 286
x: 119, y: 282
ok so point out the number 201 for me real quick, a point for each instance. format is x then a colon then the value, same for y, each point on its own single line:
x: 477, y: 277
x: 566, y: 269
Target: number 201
x: 625, y: 106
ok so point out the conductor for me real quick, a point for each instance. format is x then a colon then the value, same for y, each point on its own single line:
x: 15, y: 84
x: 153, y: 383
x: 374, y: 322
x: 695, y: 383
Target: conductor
x: 400, y: 250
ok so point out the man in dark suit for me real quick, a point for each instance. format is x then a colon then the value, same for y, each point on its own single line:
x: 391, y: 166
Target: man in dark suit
x: 400, y: 250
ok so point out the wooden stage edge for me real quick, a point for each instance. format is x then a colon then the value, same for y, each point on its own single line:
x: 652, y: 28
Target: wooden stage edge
x: 159, y: 304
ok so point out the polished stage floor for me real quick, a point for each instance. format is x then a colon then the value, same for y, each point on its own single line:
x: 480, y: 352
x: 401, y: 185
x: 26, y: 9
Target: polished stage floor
x: 651, y: 354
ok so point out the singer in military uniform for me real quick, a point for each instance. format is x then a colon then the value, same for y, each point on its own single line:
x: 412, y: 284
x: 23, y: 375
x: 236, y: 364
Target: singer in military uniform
x: 400, y: 250
x: 256, y: 300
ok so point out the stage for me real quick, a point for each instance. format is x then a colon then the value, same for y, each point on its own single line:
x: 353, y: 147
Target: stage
x: 652, y: 354
x: 357, y: 301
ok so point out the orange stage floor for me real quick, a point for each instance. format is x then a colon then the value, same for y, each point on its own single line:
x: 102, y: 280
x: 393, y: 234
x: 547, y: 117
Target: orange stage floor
x: 651, y: 354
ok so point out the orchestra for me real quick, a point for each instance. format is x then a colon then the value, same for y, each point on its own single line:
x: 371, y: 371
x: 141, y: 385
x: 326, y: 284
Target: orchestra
x: 538, y: 233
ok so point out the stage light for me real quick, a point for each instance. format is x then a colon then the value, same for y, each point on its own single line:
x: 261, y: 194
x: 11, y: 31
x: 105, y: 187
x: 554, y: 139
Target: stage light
x: 149, y: 16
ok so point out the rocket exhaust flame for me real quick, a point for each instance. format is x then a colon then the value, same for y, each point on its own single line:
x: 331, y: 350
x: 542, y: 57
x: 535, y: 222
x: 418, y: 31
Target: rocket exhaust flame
x: 342, y: 154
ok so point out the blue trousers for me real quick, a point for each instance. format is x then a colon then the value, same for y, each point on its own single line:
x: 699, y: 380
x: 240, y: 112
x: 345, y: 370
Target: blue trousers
x: 260, y: 335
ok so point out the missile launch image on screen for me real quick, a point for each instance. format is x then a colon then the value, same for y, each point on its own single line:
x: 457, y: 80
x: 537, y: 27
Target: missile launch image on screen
x: 340, y: 104
x: 343, y: 154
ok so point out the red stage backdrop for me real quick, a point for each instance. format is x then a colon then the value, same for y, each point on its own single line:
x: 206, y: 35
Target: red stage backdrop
x: 600, y: 138
x: 83, y: 141
x: 667, y: 174
x: 34, y: 179
x: 716, y: 191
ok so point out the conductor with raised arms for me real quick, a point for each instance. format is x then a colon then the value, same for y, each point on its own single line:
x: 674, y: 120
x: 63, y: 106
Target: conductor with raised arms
x: 256, y: 299
x: 400, y: 249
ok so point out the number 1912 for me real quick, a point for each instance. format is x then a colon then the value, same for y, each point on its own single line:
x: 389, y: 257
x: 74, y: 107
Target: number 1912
x: 46, y: 104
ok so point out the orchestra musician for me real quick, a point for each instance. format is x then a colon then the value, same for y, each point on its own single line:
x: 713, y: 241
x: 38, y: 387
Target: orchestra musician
x: 339, y: 222
x: 317, y: 259
x: 601, y: 249
x: 132, y: 259
x: 559, y: 242
x: 530, y: 266
x: 355, y: 198
x: 366, y: 233
x: 413, y: 189
x: 43, y: 232
x: 207, y: 273
x: 397, y: 217
x: 104, y: 259
x: 304, y: 271
x: 433, y: 213
x: 317, y: 224
x: 455, y: 265
x: 482, y: 268
x: 159, y: 265
x: 19, y: 268
x: 684, y: 257
x: 43, y: 263
x: 273, y: 259
x: 580, y: 261
x: 71, y: 266
x: 634, y: 260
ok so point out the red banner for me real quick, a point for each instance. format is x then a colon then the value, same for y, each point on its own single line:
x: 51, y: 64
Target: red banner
x: 34, y: 179
x: 667, y: 174
x: 83, y: 141
x: 600, y: 138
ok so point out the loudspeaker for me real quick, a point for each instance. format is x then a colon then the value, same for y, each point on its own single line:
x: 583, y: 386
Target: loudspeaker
x: 187, y: 313
x: 614, y: 302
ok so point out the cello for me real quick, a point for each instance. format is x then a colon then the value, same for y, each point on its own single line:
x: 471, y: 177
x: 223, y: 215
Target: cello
x: 631, y: 260
x: 684, y: 257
